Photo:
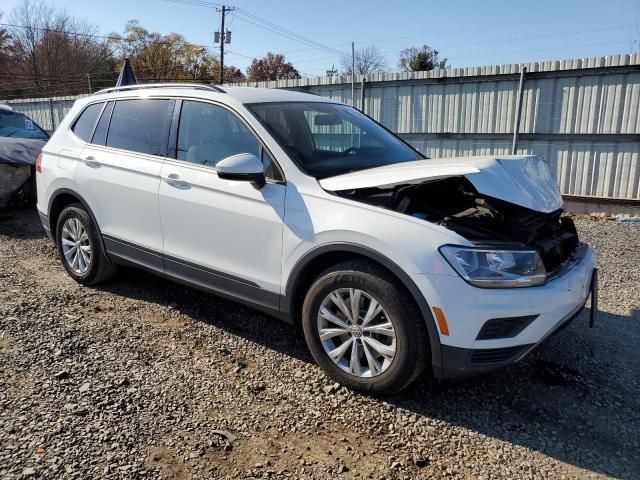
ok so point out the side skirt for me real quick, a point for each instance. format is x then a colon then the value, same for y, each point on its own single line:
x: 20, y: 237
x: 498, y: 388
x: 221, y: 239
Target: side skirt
x: 202, y: 278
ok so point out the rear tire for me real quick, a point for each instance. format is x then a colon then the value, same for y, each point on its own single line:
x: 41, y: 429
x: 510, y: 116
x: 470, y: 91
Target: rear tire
x: 80, y: 249
x: 391, y: 347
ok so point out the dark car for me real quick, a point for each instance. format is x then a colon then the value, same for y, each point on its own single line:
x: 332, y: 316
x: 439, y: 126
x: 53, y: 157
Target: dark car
x: 21, y: 140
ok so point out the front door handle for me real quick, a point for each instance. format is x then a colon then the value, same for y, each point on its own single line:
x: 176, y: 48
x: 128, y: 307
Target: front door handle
x: 173, y: 179
x: 90, y: 161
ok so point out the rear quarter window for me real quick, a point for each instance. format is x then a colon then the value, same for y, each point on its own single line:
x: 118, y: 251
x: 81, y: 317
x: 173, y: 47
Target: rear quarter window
x: 140, y: 126
x: 86, y: 122
x: 100, y: 135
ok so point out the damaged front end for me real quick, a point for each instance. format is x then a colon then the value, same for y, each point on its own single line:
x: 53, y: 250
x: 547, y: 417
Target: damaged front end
x: 506, y: 203
x: 455, y: 204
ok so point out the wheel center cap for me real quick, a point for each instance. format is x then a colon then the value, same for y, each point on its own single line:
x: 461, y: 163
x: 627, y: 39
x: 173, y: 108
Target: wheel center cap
x: 356, y: 331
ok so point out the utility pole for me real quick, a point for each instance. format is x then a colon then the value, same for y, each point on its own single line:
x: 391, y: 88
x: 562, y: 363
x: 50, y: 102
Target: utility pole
x: 353, y: 74
x: 223, y: 37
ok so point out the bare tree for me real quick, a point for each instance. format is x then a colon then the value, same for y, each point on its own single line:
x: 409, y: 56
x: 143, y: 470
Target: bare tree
x: 271, y: 67
x: 6, y: 59
x: 420, y: 59
x: 54, y: 51
x: 368, y: 60
x: 157, y: 57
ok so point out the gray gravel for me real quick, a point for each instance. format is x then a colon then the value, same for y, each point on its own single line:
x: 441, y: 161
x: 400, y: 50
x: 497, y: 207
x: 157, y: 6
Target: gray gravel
x: 142, y: 378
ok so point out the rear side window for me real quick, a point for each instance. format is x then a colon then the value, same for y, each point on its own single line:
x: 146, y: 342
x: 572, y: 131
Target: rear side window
x: 84, y: 125
x: 140, y: 126
x: 100, y: 135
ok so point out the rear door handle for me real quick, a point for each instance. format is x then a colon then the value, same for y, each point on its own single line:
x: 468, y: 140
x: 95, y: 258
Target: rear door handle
x: 173, y: 179
x: 90, y: 161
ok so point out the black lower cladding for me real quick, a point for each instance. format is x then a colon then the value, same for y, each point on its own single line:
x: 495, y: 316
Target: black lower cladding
x: 490, y: 356
x: 44, y: 219
x: 461, y: 362
x: 193, y: 275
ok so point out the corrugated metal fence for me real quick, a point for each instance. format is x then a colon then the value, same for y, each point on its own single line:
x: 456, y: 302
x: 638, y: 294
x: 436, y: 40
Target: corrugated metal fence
x: 580, y: 115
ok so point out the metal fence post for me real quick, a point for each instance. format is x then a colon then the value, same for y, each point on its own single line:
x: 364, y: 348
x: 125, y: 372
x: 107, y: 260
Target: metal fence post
x: 52, y: 119
x: 362, y: 109
x: 516, y: 121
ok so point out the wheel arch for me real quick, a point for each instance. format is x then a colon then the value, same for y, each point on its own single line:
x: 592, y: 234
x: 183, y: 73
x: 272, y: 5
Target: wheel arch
x: 62, y: 198
x: 320, y: 258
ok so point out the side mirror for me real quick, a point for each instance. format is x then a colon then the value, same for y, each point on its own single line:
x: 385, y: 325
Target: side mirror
x: 244, y: 167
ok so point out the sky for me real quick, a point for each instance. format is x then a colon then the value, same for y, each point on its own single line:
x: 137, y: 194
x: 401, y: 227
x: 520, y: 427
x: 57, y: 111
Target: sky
x: 466, y: 32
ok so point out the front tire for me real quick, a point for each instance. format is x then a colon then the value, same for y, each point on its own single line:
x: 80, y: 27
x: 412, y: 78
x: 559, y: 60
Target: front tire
x: 79, y: 247
x: 363, y: 328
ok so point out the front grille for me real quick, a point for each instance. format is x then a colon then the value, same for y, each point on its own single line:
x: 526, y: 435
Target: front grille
x: 496, y: 355
x: 504, y: 327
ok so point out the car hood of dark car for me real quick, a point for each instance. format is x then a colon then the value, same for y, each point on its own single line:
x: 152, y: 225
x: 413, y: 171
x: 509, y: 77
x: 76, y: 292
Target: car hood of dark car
x: 20, y: 151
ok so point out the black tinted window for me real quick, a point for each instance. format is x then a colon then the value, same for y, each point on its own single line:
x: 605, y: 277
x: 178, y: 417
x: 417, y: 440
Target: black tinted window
x: 83, y: 127
x: 100, y: 135
x: 140, y: 126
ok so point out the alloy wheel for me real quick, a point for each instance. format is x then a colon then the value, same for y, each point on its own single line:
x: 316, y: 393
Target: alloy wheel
x: 356, y: 332
x: 76, y: 246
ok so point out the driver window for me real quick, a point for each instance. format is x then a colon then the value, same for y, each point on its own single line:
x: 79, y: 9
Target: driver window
x: 209, y: 133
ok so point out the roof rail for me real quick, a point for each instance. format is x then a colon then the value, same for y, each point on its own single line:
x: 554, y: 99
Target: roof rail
x: 197, y: 86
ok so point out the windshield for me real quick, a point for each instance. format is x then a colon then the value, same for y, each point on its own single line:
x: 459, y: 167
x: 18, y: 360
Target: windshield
x: 327, y: 139
x: 17, y: 125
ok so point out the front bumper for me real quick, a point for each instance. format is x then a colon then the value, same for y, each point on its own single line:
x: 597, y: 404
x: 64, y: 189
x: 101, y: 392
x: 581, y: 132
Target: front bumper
x: 467, y: 349
x: 462, y: 362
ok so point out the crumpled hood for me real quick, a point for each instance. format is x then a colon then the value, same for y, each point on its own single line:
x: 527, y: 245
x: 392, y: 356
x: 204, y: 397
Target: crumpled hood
x: 522, y: 180
x: 20, y: 151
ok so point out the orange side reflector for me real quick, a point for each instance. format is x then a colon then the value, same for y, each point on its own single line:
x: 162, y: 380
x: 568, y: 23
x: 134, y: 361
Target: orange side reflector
x: 442, y: 322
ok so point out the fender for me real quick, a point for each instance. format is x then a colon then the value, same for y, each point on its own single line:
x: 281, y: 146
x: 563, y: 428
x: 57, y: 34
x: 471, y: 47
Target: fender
x: 425, y: 310
x: 83, y: 202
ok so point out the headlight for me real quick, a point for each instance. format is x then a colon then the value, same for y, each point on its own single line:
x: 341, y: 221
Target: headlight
x: 494, y: 268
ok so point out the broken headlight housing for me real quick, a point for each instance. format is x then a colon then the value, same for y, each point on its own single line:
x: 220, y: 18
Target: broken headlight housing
x: 496, y: 268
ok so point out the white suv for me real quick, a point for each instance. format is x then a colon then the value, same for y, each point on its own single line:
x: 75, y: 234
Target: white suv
x: 307, y: 209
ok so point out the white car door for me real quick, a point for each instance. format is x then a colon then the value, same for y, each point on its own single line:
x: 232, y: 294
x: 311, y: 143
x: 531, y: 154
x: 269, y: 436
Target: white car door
x: 224, y: 235
x: 119, y: 177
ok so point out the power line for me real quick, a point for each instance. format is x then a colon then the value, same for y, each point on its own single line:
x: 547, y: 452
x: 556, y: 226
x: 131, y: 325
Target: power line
x: 286, y: 32
x: 266, y: 25
x: 452, y: 32
x: 489, y: 27
x: 505, y: 40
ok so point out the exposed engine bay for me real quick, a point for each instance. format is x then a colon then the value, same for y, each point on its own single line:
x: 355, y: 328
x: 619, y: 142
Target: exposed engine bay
x: 454, y: 203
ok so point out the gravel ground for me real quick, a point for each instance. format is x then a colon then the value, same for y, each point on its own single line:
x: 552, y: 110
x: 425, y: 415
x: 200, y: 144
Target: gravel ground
x: 142, y: 378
